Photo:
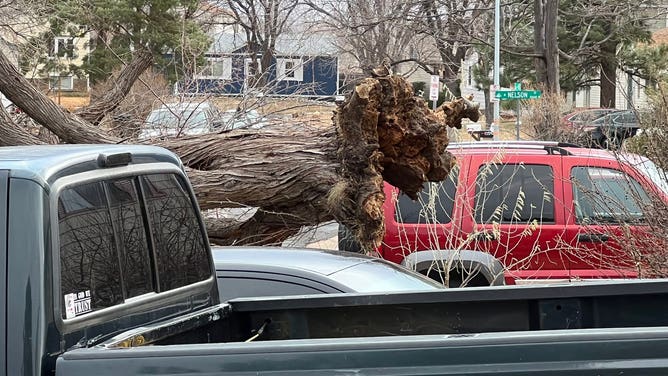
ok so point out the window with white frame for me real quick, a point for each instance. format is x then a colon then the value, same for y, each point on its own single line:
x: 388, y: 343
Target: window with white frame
x: 63, y: 47
x: 217, y: 67
x: 248, y: 71
x: 61, y: 82
x: 290, y: 69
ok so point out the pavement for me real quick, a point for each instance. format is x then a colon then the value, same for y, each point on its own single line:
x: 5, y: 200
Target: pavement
x: 322, y: 236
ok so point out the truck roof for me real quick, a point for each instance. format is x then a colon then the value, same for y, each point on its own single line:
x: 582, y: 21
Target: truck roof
x: 42, y: 162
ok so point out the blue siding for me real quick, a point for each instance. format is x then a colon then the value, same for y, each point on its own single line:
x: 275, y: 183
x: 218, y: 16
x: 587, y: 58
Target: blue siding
x: 319, y: 79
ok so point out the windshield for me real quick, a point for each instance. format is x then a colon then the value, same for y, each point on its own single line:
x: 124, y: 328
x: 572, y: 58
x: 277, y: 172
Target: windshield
x: 378, y: 276
x: 165, y: 118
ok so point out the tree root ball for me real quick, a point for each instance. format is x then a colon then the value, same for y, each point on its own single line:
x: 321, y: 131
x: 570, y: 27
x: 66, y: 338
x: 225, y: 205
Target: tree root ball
x: 387, y: 133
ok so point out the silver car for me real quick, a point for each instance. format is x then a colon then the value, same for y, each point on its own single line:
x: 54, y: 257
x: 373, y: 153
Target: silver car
x: 180, y: 119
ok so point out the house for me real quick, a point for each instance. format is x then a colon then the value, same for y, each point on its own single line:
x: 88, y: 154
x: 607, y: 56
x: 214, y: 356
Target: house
x: 302, y: 66
x: 54, y: 70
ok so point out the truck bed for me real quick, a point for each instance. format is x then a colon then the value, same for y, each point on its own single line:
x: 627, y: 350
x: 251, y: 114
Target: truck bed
x: 605, y: 328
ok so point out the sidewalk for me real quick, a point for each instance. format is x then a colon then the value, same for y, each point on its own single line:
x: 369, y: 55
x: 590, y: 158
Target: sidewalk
x: 323, y: 236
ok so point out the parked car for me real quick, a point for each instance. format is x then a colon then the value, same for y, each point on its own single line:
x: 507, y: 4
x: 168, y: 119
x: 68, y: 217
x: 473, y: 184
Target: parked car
x: 265, y: 271
x: 582, y: 116
x: 519, y: 212
x: 183, y: 118
x: 610, y: 131
x: 238, y: 119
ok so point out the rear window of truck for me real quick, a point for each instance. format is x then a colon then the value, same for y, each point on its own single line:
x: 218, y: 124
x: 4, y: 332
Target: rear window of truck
x: 125, y: 237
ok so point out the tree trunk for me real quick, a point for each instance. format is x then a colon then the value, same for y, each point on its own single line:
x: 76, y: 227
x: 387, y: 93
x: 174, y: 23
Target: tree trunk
x: 95, y: 112
x: 546, y: 44
x: 609, y: 75
x: 69, y: 127
x: 12, y: 134
x: 294, y: 174
x: 551, y: 46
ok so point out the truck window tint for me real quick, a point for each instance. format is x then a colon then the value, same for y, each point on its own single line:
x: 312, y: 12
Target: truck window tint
x: 514, y: 193
x: 180, y: 251
x: 89, y: 265
x: 602, y: 195
x: 133, y: 249
x: 434, y: 204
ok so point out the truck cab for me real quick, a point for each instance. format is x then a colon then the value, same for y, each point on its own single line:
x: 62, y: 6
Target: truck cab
x: 94, y: 240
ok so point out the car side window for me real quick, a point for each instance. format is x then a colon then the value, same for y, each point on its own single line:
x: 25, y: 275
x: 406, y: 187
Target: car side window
x: 514, y: 193
x: 603, y: 195
x: 112, y: 233
x: 180, y: 251
x: 434, y: 204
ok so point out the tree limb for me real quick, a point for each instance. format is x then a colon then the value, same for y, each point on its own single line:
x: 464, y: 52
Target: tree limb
x: 95, y: 112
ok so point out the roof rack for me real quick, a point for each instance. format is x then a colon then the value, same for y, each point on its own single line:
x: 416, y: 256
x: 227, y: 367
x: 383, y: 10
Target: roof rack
x: 552, y: 147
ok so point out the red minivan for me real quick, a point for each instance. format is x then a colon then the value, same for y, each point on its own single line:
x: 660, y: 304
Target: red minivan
x: 527, y: 212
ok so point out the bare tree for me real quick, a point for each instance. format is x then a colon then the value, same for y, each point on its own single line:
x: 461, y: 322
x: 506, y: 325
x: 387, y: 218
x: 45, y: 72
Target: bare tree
x: 372, y: 32
x: 262, y: 22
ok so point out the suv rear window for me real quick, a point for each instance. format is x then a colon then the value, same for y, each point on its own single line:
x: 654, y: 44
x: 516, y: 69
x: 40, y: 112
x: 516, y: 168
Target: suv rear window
x: 514, y: 193
x: 126, y: 237
x: 434, y: 204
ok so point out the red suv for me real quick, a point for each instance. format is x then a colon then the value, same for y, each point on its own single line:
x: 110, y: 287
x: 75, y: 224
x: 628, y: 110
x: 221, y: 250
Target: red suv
x: 523, y: 212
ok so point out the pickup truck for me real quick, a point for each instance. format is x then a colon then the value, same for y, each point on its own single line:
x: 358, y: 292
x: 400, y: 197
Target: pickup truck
x: 106, y: 270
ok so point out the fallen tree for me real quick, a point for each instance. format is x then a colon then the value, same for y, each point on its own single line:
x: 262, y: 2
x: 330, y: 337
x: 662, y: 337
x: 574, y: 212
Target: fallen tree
x: 295, y: 174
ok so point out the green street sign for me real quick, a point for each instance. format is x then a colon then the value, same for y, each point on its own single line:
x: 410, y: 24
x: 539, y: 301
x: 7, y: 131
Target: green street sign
x: 517, y: 94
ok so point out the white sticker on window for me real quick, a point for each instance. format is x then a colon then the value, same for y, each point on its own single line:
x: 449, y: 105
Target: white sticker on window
x: 77, y: 304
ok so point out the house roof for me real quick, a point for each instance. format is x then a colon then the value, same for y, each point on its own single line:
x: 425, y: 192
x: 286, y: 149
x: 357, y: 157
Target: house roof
x: 288, y: 44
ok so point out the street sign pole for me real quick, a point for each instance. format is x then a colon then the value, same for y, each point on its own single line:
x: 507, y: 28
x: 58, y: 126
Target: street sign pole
x: 497, y: 63
x: 518, y: 87
x: 517, y: 122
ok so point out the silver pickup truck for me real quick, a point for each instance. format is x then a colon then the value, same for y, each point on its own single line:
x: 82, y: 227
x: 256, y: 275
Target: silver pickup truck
x: 105, y: 269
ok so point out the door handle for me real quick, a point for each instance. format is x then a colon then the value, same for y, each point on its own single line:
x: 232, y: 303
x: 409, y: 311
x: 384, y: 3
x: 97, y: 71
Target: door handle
x: 484, y: 236
x: 593, y: 238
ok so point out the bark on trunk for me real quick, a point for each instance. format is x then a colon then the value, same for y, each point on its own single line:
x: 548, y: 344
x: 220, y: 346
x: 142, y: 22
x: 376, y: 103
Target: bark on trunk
x: 12, y: 134
x: 546, y: 44
x: 609, y: 76
x: 551, y: 46
x: 95, y: 112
